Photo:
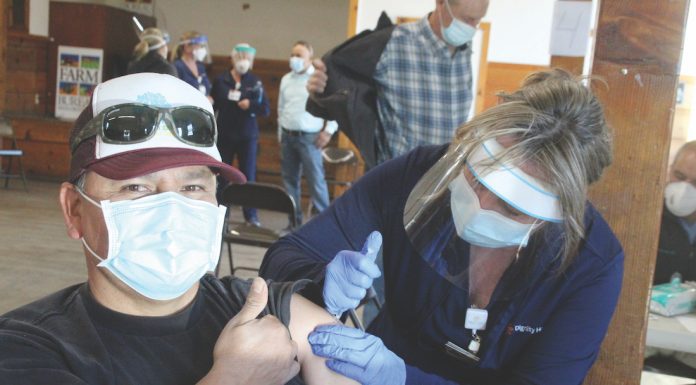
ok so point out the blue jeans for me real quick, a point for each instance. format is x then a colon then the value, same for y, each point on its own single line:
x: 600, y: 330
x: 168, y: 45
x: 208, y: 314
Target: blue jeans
x: 299, y: 154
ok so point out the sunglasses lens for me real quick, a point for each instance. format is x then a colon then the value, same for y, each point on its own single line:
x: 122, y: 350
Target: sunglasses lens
x: 129, y: 123
x: 194, y: 126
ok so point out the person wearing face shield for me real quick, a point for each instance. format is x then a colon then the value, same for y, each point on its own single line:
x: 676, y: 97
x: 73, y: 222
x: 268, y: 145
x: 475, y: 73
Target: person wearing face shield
x: 150, y: 54
x: 497, y: 270
x: 239, y: 98
x: 677, y: 248
x: 191, y: 55
x: 380, y: 85
x: 141, y: 202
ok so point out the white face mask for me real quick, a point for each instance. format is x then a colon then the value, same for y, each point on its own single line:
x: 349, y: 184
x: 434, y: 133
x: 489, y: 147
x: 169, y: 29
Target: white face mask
x: 297, y: 64
x: 161, y: 245
x: 482, y: 227
x: 458, y: 33
x: 200, y: 53
x: 242, y: 66
x: 680, y: 198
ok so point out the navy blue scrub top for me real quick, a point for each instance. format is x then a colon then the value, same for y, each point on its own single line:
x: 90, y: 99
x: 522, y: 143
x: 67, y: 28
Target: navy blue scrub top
x: 201, y: 82
x: 543, y: 327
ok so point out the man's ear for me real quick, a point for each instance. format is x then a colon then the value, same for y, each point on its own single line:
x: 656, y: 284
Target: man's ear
x: 71, y: 206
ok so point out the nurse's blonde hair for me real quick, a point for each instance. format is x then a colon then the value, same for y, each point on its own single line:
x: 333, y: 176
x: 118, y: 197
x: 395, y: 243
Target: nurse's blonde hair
x: 558, y: 127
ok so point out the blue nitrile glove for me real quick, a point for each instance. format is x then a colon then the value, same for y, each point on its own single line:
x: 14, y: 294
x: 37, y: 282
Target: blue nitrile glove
x: 350, y: 274
x: 357, y: 355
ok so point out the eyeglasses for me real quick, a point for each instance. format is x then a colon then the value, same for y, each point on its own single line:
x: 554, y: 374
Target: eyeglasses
x: 134, y: 123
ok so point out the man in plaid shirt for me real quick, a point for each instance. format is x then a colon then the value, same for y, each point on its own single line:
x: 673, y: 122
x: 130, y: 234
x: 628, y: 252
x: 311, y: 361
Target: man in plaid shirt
x: 423, y: 78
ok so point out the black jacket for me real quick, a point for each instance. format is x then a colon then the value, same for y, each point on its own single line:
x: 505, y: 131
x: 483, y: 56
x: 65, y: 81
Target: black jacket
x: 350, y: 97
x: 675, y: 254
x: 152, y: 62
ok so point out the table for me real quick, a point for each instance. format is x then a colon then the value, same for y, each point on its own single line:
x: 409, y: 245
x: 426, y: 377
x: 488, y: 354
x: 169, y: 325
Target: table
x: 670, y: 333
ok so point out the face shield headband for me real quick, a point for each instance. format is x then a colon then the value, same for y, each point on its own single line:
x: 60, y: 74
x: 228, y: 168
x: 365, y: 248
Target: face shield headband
x: 428, y: 219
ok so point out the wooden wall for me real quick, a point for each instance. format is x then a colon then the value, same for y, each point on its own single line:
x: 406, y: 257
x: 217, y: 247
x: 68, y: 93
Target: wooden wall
x: 505, y: 77
x: 637, y: 53
x: 92, y: 26
x: 3, y: 55
x: 26, y: 89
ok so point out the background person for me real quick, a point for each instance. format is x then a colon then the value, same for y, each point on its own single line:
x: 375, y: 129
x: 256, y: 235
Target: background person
x: 143, y: 205
x: 150, y: 54
x: 191, y: 53
x: 302, y: 136
x: 677, y: 248
x: 496, y: 268
x: 239, y: 98
x: 395, y: 76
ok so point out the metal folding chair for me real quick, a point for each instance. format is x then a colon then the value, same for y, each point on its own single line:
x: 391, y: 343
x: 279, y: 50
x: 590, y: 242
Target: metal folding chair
x: 262, y: 196
x: 6, y: 132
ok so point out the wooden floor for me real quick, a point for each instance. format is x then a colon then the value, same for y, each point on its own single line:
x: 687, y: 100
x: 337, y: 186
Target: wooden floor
x: 37, y: 257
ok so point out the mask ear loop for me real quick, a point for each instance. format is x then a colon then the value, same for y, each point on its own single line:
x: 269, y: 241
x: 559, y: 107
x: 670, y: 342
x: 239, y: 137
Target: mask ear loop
x: 529, y: 233
x: 92, y: 201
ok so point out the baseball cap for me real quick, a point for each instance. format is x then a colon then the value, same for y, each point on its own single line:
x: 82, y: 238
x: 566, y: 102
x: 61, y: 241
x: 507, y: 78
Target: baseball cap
x: 161, y: 151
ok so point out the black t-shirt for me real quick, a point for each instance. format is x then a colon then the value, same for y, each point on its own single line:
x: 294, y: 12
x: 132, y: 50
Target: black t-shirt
x: 675, y: 253
x: 69, y: 338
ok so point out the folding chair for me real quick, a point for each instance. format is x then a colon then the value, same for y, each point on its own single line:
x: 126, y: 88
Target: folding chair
x: 6, y: 132
x: 335, y: 157
x: 262, y: 196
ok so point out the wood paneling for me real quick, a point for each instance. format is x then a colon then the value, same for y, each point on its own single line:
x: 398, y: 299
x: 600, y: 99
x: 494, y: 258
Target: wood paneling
x: 568, y: 63
x: 92, y: 26
x: 504, y: 77
x: 3, y: 54
x: 637, y: 53
x: 45, y: 146
x: 27, y: 67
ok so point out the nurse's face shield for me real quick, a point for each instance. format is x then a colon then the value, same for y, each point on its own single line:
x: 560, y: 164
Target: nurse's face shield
x: 243, y: 51
x: 500, y: 190
x: 198, y: 42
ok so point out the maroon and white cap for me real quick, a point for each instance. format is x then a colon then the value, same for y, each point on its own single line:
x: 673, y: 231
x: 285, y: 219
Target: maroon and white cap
x: 162, y: 151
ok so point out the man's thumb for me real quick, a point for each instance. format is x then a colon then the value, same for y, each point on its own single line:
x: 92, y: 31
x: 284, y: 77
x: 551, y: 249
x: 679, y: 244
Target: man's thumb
x: 255, y: 303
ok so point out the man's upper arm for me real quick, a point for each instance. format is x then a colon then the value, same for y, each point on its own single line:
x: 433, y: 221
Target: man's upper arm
x: 305, y: 316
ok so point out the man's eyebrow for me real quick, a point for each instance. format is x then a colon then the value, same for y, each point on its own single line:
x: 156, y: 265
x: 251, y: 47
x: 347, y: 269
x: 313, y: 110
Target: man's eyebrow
x: 198, y: 173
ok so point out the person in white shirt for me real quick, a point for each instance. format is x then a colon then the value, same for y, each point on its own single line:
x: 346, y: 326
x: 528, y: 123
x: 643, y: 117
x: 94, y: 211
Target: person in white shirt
x: 302, y: 136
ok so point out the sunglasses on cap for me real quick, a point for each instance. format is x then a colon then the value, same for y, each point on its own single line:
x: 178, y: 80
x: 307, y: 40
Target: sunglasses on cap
x: 132, y: 123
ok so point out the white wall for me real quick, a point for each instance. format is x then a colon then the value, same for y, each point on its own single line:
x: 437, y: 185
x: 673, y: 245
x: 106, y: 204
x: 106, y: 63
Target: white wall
x: 271, y: 26
x: 520, y: 29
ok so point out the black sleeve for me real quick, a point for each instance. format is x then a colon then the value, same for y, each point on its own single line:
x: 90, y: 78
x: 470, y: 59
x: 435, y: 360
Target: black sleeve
x: 279, y: 295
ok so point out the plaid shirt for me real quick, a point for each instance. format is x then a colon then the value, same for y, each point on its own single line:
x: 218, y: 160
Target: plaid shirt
x: 423, y: 90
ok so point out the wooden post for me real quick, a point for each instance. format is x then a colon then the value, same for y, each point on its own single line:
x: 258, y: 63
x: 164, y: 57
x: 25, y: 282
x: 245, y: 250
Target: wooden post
x: 637, y: 52
x: 3, y: 52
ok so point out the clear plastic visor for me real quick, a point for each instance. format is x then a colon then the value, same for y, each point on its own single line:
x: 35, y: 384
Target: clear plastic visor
x: 430, y: 225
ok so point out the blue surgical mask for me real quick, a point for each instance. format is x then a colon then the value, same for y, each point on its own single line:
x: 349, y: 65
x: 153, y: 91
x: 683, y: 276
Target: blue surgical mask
x: 297, y: 64
x: 160, y: 245
x: 458, y: 33
x: 485, y: 228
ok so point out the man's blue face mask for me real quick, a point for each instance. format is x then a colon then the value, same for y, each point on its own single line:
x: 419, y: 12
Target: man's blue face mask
x: 160, y: 245
x: 458, y: 32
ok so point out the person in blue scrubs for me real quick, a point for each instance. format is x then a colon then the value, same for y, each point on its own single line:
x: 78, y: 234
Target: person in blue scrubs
x: 191, y: 56
x: 497, y: 269
x: 238, y: 99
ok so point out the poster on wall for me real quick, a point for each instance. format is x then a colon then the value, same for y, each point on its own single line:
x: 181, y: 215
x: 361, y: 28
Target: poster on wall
x: 79, y: 71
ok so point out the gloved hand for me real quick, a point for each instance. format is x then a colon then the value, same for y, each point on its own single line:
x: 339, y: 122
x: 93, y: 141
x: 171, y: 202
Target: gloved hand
x: 357, y: 355
x: 350, y: 274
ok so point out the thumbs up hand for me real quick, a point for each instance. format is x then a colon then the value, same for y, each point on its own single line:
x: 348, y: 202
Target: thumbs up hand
x: 250, y: 350
x: 350, y: 274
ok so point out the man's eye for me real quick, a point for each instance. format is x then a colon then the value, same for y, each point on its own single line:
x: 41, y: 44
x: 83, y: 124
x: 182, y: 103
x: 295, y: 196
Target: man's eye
x: 134, y: 188
x: 191, y: 188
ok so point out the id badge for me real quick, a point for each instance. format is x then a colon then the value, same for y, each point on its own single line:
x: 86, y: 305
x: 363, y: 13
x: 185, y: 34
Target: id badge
x: 202, y: 89
x: 476, y: 319
x: 234, y: 95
